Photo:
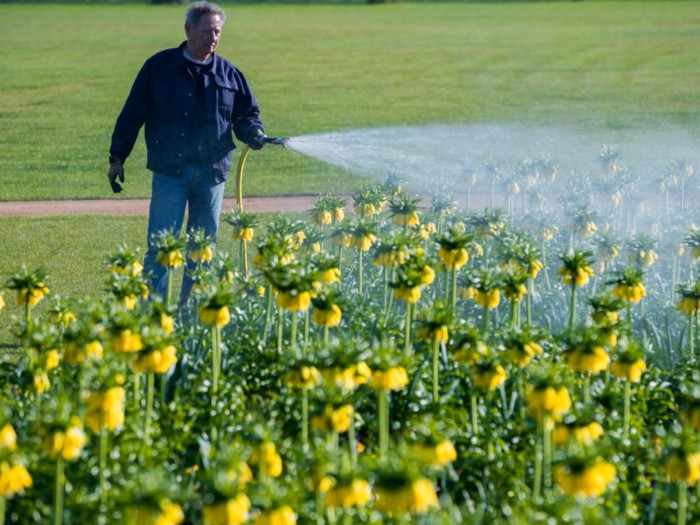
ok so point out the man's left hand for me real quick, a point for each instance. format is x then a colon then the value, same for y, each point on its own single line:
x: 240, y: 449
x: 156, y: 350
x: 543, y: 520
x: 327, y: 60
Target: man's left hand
x: 256, y: 139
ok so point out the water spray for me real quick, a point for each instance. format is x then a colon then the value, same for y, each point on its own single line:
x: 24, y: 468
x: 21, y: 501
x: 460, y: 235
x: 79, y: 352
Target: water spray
x: 283, y: 141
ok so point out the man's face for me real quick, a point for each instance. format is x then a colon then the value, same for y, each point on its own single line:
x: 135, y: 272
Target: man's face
x: 203, y: 39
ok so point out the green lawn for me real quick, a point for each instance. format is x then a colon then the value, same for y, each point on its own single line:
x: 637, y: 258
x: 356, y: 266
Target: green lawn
x: 67, y: 69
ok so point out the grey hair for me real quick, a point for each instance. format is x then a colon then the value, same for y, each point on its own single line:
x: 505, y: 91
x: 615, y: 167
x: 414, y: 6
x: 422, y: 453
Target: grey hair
x: 198, y: 9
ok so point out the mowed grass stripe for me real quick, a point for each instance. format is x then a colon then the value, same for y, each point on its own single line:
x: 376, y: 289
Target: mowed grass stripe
x: 67, y: 69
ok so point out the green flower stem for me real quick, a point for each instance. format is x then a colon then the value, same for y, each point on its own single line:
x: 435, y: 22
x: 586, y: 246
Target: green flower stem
x: 572, y: 308
x: 58, y: 499
x: 521, y: 395
x: 244, y: 259
x: 28, y: 314
x: 537, y: 484
x: 359, y: 271
x: 486, y: 319
x: 528, y: 302
x: 280, y: 328
x: 547, y: 452
x: 487, y: 427
x: 216, y: 356
x: 325, y: 335
x: 436, y: 377
x: 385, y: 275
x: 352, y: 441
x: 295, y: 321
x: 103, y: 458
x: 544, y: 265
x: 626, y: 416
x: 149, y: 409
x: 268, y: 314
x: 307, y: 315
x: 513, y: 314
x: 446, y: 297
x: 407, y: 330
x: 682, y: 502
x: 137, y: 390
x: 2, y: 510
x: 454, y: 289
x: 305, y: 416
x: 473, y: 401
x: 383, y: 421
x: 587, y: 389
x: 691, y: 333
x: 169, y: 286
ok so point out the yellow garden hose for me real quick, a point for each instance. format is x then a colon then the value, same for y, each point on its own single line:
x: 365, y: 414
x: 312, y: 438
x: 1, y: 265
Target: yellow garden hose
x: 239, y: 177
x: 241, y: 163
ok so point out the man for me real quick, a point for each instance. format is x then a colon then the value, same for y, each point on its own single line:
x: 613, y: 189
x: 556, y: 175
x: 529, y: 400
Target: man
x: 190, y: 101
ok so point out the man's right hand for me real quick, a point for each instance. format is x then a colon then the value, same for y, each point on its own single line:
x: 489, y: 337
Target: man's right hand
x: 116, y: 169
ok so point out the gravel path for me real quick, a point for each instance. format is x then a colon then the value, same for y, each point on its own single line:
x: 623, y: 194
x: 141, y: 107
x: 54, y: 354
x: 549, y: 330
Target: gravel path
x: 140, y: 206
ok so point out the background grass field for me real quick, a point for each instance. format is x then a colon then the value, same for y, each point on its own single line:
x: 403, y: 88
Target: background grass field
x: 67, y: 69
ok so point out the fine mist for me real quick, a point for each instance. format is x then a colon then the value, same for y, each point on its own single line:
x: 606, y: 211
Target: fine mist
x: 423, y: 154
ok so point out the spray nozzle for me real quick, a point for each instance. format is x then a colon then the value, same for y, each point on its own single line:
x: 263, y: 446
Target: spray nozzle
x: 274, y: 140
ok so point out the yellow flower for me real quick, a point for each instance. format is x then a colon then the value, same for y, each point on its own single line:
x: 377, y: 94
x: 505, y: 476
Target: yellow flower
x: 588, y: 481
x: 338, y: 214
x: 40, y: 382
x: 418, y: 497
x: 242, y: 234
x: 322, y: 217
x: 408, y: 294
x: 51, y: 359
x: 167, y: 323
x: 584, y: 434
x: 691, y: 417
x: 130, y: 302
x: 331, y: 275
x: 173, y: 258
x: 306, y: 376
x: 293, y: 300
x: 688, y: 306
x: 648, y: 258
x: 593, y: 361
x: 8, y: 438
x: 273, y: 461
x: 437, y: 455
x: 580, y: 278
x: 630, y: 371
x: 489, y: 378
x: 2, y: 303
x: 534, y: 268
x: 158, y: 361
x: 230, y: 512
x: 357, y: 492
x: 215, y: 316
x: 126, y: 342
x: 105, y: 408
x: 330, y: 317
x: 454, y: 258
x: 363, y: 242
x: 683, y: 467
x: 31, y: 296
x: 407, y: 219
x: 427, y: 276
x: 282, y: 516
x: 488, y: 299
x: 439, y: 333
x: 630, y: 293
x: 547, y: 401
x: 68, y: 444
x: 202, y: 254
x: 522, y: 355
x: 392, y: 379
x: 14, y: 478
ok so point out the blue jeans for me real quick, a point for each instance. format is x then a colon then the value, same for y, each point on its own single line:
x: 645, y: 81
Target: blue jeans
x: 195, y: 189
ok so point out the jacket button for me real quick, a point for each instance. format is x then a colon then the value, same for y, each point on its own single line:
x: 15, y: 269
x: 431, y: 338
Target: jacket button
x: 186, y: 114
x: 179, y: 154
x: 182, y: 134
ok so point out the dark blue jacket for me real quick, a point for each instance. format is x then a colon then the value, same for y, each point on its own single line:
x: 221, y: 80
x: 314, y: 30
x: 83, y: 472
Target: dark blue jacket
x: 162, y: 99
